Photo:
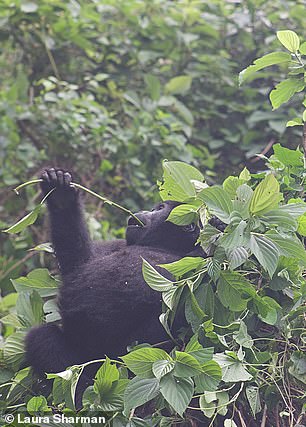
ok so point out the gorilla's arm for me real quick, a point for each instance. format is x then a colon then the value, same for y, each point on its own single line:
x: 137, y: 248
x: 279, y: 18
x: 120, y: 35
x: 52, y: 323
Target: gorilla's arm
x: 69, y: 233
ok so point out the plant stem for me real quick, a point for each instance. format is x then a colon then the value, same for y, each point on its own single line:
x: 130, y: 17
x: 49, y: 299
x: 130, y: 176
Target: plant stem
x: 81, y: 187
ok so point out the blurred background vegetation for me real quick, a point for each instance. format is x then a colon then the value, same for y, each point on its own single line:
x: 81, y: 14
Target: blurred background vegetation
x: 110, y: 88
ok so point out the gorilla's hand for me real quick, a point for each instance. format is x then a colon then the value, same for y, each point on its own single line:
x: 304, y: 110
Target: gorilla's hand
x: 64, y: 194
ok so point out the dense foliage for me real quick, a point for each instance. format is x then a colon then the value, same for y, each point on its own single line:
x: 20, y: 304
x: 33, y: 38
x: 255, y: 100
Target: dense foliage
x: 115, y: 87
x: 242, y: 355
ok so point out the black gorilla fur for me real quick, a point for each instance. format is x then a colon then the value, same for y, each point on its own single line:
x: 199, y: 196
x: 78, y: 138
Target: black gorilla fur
x: 104, y: 302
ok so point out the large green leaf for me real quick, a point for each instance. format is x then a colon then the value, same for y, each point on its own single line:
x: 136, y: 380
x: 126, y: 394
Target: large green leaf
x: 183, y: 215
x: 234, y: 291
x: 285, y: 90
x: 233, y: 371
x: 288, y: 157
x: 231, y: 184
x: 210, y: 377
x: 243, y: 199
x: 39, y: 280
x: 154, y: 279
x: 177, y: 392
x: 263, y: 62
x: 178, y: 85
x: 235, y: 238
x: 186, y: 365
x: 185, y: 265
x: 13, y: 352
x: 140, y: 391
x: 265, y: 251
x: 105, y: 376
x: 237, y: 257
x: 140, y: 361
x: 177, y: 181
x: 289, y: 246
x: 289, y: 39
x: 280, y: 218
x: 161, y: 368
x: 266, y: 196
x: 295, y: 210
x: 202, y: 354
x: 218, y: 202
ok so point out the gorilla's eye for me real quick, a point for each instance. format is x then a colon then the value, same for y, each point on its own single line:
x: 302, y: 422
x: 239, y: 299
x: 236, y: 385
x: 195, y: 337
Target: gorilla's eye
x: 189, y: 228
x: 159, y: 207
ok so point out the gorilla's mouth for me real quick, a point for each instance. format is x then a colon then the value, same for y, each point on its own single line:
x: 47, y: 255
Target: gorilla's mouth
x: 132, y: 222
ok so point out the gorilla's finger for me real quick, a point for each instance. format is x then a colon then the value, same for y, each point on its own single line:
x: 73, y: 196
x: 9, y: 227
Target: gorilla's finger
x: 67, y: 179
x: 60, y: 177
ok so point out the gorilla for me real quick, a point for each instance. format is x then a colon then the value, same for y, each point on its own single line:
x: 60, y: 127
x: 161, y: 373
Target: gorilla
x: 104, y: 302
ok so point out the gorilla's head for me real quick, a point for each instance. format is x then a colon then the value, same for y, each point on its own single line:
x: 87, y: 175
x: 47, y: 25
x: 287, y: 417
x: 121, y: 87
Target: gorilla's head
x: 158, y: 232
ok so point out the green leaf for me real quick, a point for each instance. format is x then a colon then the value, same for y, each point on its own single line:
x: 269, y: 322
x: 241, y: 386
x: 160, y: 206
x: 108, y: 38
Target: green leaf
x: 289, y: 246
x: 178, y: 392
x: 229, y: 422
x: 177, y: 181
x: 233, y: 371
x: 231, y: 184
x: 185, y: 265
x: 23, y: 223
x: 243, y: 199
x: 154, y: 279
x: 265, y: 251
x: 218, y: 202
x: 237, y: 257
x: 178, y: 85
x: 303, y: 48
x: 284, y: 90
x: 288, y: 157
x: 208, y: 236
x: 234, y: 291
x: 289, y: 39
x: 208, y: 407
x: 235, y: 238
x: 29, y: 308
x: 140, y: 391
x: 245, y: 174
x: 186, y: 365
x: 265, y: 61
x: 280, y: 218
x: 266, y: 196
x: 183, y: 215
x: 105, y: 376
x: 253, y: 396
x: 200, y: 353
x: 113, y: 399
x: 37, y: 405
x: 13, y: 352
x: 153, y: 86
x: 161, y: 368
x: 268, y: 309
x: 302, y: 225
x: 210, y: 377
x: 242, y: 337
x: 172, y: 296
x: 140, y: 361
x: 294, y: 209
x: 294, y: 122
x: 39, y: 280
x: 297, y: 366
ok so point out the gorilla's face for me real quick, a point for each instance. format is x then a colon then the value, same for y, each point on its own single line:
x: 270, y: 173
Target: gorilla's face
x: 158, y: 232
